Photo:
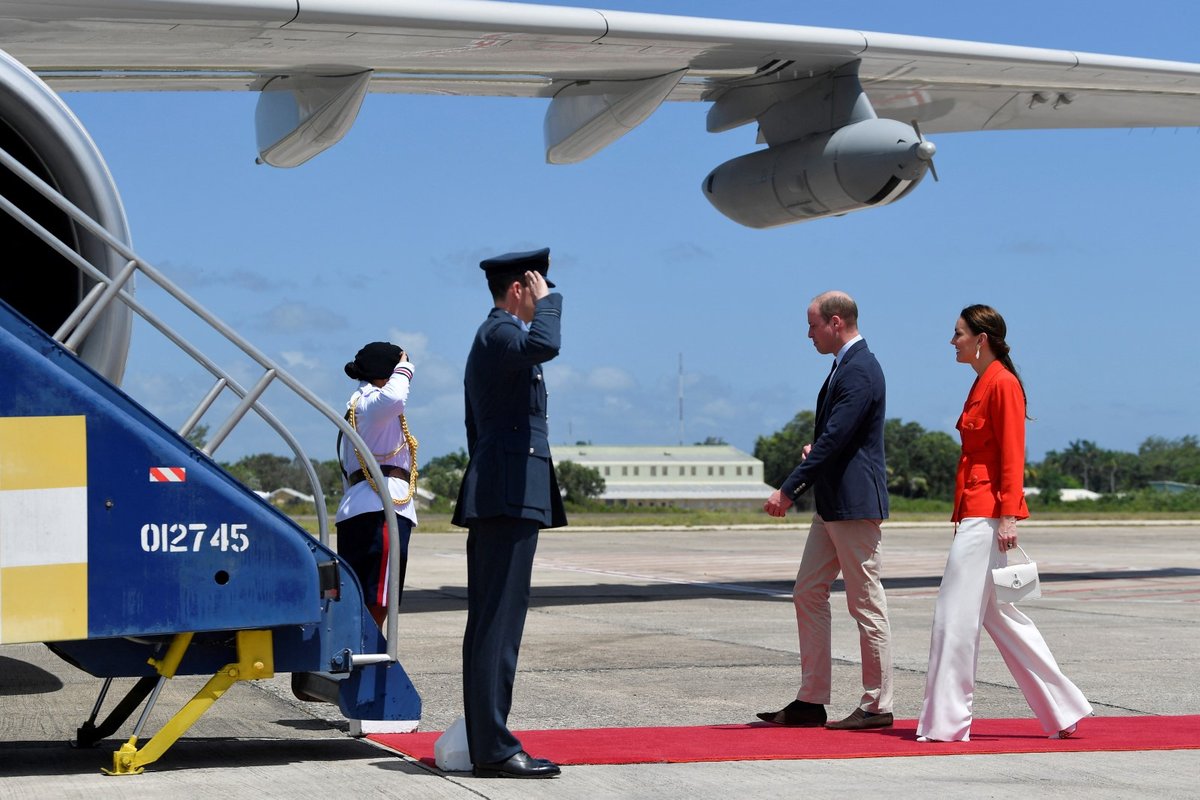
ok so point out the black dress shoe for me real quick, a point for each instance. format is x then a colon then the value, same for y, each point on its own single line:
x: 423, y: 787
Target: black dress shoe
x: 520, y: 765
x: 797, y: 714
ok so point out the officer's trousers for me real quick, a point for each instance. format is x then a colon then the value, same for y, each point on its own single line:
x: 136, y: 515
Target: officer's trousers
x: 500, y: 554
x: 966, y: 604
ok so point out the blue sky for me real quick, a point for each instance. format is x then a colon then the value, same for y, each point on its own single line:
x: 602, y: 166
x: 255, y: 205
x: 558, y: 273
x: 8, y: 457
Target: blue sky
x: 1084, y: 240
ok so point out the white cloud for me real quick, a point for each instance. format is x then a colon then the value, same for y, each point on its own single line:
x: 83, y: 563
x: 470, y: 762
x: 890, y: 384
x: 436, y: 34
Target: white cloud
x: 610, y: 379
x: 561, y: 378
x: 720, y: 408
x: 192, y: 277
x: 294, y: 318
x: 297, y: 358
x: 435, y: 375
x: 618, y: 404
x: 416, y: 344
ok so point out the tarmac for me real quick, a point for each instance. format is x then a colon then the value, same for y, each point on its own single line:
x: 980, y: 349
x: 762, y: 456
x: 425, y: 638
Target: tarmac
x: 668, y: 627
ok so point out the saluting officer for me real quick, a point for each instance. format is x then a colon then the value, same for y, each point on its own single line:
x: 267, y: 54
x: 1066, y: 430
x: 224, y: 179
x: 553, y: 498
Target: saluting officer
x: 508, y: 493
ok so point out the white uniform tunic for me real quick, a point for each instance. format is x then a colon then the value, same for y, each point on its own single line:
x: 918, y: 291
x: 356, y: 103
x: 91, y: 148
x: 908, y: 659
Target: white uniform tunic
x: 377, y: 417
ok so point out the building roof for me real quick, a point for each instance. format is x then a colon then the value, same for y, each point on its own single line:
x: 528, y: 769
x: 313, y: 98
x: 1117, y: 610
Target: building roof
x: 655, y: 472
x: 287, y: 494
x: 645, y: 453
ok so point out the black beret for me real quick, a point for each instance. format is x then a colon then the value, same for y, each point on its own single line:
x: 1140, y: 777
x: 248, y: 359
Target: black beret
x: 516, y: 263
x: 374, y: 362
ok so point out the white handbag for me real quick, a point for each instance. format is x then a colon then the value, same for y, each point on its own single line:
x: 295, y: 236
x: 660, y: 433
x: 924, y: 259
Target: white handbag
x: 1017, y: 582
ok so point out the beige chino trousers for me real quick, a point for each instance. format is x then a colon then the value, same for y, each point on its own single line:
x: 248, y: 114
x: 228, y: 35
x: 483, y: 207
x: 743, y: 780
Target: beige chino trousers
x: 851, y: 547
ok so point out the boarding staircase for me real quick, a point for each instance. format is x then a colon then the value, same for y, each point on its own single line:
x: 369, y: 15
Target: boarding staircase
x: 132, y: 553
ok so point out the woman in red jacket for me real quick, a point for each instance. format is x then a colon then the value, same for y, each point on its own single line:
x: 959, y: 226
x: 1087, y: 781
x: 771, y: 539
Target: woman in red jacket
x: 989, y: 498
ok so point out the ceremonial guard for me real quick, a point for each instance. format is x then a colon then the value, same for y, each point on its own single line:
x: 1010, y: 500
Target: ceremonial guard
x: 376, y: 411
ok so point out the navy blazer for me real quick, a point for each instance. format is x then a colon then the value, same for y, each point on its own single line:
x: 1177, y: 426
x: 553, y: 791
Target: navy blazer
x: 510, y: 473
x: 846, y: 464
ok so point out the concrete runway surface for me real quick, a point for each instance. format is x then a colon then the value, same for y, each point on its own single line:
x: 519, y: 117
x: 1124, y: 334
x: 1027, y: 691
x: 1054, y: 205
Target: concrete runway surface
x: 666, y: 628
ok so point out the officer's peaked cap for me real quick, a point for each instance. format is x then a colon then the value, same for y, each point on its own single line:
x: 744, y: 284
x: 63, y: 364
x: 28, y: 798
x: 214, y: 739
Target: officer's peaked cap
x: 516, y: 263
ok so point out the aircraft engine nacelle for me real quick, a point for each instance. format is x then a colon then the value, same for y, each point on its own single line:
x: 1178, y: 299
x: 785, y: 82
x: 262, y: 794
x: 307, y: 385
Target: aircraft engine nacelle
x: 39, y: 131
x: 866, y: 164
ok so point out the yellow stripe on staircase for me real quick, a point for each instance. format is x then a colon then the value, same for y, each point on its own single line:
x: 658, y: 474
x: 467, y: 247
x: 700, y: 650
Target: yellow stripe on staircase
x: 43, y: 529
x: 42, y: 452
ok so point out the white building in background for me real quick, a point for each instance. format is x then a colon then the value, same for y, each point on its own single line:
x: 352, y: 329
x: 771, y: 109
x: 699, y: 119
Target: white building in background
x: 1066, y: 495
x: 696, y: 476
x: 285, y: 496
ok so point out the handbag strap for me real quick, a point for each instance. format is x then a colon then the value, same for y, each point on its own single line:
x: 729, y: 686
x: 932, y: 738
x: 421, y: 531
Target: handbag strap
x: 1026, y: 555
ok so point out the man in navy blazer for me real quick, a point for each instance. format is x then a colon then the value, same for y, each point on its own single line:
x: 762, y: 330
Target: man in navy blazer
x: 844, y: 466
x: 509, y: 492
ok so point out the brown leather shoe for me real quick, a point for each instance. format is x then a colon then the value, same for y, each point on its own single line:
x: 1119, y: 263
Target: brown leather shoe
x: 861, y: 720
x: 797, y: 714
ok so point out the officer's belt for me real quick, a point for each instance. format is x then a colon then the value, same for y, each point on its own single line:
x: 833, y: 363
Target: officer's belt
x: 358, y: 476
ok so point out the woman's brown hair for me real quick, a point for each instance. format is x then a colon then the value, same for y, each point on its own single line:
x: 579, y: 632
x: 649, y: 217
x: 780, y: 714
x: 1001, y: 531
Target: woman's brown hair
x: 985, y: 319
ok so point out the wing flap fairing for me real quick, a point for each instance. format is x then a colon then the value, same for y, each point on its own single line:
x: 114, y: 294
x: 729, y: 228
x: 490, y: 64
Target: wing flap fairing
x: 585, y: 117
x: 302, y: 114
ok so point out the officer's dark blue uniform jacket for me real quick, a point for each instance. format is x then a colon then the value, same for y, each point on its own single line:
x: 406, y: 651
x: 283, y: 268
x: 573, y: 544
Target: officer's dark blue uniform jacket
x: 510, y: 473
x: 846, y: 466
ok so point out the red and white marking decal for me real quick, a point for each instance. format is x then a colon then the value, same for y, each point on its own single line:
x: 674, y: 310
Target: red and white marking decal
x: 168, y: 474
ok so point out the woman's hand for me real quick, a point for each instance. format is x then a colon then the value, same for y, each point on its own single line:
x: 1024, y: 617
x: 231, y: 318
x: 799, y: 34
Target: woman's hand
x: 1006, y: 534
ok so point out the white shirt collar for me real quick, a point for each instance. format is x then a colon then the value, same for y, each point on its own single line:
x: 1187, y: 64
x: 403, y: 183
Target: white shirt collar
x: 525, y: 325
x: 840, y: 353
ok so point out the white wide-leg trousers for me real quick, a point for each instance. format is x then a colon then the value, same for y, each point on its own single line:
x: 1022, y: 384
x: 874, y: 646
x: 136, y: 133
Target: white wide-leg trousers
x: 966, y: 603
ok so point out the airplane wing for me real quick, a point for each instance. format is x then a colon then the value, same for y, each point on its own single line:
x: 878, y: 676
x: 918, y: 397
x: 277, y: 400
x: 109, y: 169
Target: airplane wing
x: 476, y: 47
x: 605, y: 71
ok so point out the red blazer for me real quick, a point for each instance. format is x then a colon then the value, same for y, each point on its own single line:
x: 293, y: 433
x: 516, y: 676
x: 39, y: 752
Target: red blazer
x: 991, y: 470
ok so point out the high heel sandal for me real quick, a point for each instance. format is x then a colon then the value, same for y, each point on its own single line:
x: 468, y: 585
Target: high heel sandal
x: 1065, y: 733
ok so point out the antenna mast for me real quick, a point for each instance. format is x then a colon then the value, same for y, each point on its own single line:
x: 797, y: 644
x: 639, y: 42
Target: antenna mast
x: 681, y: 399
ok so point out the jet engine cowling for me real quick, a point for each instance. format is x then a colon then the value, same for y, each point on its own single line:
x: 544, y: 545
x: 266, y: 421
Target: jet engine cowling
x: 862, y: 165
x: 40, y: 132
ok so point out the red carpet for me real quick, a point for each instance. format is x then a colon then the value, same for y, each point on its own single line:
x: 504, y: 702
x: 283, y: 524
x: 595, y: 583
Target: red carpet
x: 760, y: 741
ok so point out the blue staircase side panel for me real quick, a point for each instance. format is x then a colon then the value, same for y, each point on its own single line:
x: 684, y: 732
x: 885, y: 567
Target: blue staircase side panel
x: 345, y: 628
x: 379, y: 691
x: 204, y: 554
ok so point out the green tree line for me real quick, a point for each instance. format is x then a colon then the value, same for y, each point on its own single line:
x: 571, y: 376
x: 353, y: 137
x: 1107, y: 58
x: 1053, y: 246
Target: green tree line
x: 1084, y: 465
x: 922, y: 464
x: 442, y: 475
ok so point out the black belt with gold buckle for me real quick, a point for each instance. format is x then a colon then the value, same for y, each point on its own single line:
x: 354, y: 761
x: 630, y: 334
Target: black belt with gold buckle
x: 358, y: 476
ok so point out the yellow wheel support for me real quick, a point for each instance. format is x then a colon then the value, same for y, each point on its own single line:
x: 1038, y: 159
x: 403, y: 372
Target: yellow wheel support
x: 255, y: 660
